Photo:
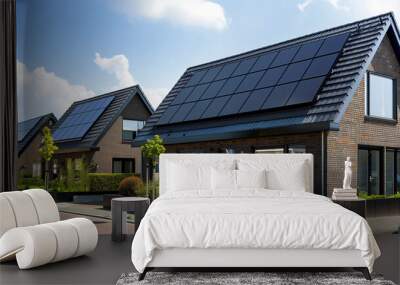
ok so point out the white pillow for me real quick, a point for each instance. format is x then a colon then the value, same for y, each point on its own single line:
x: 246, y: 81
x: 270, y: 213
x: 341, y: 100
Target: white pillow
x: 224, y: 179
x: 186, y: 177
x: 251, y: 178
x: 287, y: 176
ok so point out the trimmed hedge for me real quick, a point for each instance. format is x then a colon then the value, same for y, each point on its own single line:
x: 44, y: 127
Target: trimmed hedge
x: 30, y: 182
x: 106, y: 182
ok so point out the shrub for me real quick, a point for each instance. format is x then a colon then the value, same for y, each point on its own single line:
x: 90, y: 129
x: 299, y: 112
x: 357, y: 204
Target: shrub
x: 105, y: 182
x: 29, y: 183
x: 131, y: 186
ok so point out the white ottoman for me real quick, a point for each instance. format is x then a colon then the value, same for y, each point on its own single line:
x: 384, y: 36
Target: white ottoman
x: 31, y: 232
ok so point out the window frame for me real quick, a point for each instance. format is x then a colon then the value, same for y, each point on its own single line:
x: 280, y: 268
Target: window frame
x: 367, y: 97
x: 122, y: 160
x: 134, y: 133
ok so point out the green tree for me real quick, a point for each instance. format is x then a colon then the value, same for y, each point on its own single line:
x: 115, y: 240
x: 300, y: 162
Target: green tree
x: 47, y: 151
x: 152, y: 150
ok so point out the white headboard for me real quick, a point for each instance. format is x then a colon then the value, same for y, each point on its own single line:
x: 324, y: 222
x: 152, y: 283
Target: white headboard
x: 218, y: 158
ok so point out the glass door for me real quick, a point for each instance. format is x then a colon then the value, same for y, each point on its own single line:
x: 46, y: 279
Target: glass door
x: 369, y: 171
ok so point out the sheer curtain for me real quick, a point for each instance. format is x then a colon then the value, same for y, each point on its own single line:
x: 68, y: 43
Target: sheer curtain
x: 8, y: 98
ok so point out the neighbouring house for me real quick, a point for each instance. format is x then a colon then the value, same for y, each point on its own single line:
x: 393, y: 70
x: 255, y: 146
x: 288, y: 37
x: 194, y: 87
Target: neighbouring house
x: 99, y: 131
x: 333, y: 93
x: 30, y: 136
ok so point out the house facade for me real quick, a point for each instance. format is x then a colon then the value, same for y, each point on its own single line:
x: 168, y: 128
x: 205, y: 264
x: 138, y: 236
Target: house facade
x: 30, y: 135
x: 98, y: 132
x: 334, y: 94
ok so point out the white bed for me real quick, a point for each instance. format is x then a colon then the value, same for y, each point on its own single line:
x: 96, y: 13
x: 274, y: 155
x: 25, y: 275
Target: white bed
x: 247, y: 210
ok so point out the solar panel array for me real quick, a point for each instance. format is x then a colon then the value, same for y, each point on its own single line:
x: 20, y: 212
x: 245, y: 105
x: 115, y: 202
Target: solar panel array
x: 26, y: 126
x: 274, y: 79
x: 80, y: 119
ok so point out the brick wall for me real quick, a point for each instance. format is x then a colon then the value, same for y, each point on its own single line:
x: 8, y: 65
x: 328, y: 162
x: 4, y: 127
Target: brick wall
x: 30, y: 155
x: 312, y: 141
x: 111, y: 146
x: 355, y: 130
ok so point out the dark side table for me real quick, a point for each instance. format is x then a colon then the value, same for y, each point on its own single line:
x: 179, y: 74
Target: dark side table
x: 356, y: 205
x: 119, y: 209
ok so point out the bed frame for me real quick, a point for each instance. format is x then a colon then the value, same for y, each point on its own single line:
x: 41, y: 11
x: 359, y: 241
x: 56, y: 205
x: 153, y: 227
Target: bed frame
x: 237, y: 259
x: 249, y: 259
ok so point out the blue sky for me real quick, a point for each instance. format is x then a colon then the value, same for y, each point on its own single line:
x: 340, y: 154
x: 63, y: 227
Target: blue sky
x: 69, y: 50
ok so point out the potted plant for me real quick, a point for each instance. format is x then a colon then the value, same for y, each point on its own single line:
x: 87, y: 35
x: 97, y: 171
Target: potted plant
x: 151, y: 151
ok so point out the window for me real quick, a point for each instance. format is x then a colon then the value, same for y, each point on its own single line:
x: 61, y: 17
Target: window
x: 129, y: 129
x: 290, y: 148
x: 390, y: 172
x: 380, y: 100
x: 123, y: 165
x: 37, y: 169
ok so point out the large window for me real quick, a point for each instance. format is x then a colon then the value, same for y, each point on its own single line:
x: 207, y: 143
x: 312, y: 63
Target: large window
x: 129, y: 129
x: 378, y: 170
x: 123, y: 165
x: 380, y: 96
x: 290, y: 148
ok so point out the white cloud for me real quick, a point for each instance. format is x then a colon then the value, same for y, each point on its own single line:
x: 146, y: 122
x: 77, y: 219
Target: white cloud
x: 155, y: 95
x: 40, y: 91
x: 201, y: 13
x: 358, y: 8
x: 117, y: 65
x: 302, y: 6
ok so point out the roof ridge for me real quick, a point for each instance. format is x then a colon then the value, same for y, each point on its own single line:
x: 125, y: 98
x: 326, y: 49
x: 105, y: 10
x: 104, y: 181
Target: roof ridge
x: 96, y: 97
x: 341, y: 28
x: 37, y: 117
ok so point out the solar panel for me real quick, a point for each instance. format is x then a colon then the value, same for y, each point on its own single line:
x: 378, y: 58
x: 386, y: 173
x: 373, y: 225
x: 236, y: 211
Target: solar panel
x: 244, y: 66
x: 215, y: 107
x: 264, y: 61
x: 271, y: 77
x: 294, y: 72
x: 305, y: 91
x: 81, y: 118
x: 333, y: 44
x: 256, y: 100
x: 196, y: 77
x: 308, y: 50
x: 211, y: 74
x: 279, y: 96
x: 250, y: 81
x: 196, y: 93
x: 231, y: 85
x: 285, y: 56
x: 227, y: 70
x: 213, y: 89
x: 181, y: 114
x: 182, y: 95
x: 321, y: 66
x: 234, y: 104
x: 168, y: 114
x: 198, y: 110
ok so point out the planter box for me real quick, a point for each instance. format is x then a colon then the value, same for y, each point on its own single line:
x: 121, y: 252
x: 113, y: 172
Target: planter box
x: 69, y: 196
x: 383, y: 207
x: 107, y: 200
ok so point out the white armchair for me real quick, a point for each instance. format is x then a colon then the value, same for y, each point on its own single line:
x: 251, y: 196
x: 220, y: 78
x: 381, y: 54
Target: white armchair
x: 31, y: 230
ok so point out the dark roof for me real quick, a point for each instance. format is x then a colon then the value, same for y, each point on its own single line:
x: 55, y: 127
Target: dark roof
x: 323, y: 112
x: 120, y: 100
x: 27, y: 130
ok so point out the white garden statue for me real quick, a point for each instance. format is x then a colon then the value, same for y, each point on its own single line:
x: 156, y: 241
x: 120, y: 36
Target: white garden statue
x: 347, y: 174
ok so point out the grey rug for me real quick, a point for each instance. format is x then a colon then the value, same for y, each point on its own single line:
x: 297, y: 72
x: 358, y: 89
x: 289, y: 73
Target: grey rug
x: 228, y: 278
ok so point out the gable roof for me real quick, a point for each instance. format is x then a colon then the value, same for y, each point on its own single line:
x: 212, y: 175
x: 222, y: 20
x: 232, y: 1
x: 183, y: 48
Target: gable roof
x: 323, y: 113
x: 98, y: 127
x: 27, y: 130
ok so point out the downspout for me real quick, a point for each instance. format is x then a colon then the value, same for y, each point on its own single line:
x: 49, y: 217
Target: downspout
x: 324, y: 191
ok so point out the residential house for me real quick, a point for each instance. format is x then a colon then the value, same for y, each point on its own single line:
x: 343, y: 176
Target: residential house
x: 333, y: 93
x: 99, y: 131
x: 30, y: 135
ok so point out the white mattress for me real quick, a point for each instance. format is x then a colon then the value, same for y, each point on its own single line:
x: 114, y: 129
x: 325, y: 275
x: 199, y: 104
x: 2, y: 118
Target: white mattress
x: 250, y: 219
